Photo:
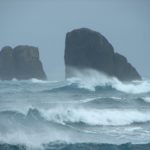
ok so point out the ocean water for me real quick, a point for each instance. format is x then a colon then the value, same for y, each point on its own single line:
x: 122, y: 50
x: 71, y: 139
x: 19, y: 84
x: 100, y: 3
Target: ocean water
x: 89, y: 112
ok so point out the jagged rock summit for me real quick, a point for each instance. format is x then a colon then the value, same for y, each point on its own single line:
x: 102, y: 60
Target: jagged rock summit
x: 21, y: 63
x: 85, y: 48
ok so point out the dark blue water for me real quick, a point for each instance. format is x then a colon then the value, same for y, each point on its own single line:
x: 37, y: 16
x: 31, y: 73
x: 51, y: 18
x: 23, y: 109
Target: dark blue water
x: 88, y: 114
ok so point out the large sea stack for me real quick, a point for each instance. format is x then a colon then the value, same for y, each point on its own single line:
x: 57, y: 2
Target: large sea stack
x: 85, y: 48
x: 21, y: 63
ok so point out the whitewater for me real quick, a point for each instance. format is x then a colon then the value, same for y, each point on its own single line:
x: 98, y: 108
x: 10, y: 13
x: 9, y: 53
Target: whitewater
x: 89, y: 111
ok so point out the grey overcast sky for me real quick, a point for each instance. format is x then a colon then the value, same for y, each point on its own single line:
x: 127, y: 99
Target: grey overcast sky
x: 44, y: 23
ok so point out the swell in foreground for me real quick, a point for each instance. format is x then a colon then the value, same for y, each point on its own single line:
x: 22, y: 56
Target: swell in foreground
x: 77, y: 113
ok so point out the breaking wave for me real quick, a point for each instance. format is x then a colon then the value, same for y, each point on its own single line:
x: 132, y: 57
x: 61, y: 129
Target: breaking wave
x: 92, y: 80
x: 91, y: 107
x: 146, y: 99
x: 96, y: 116
x: 109, y: 117
x: 38, y: 127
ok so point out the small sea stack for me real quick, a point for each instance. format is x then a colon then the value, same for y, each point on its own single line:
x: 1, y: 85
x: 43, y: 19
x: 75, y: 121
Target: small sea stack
x: 22, y: 63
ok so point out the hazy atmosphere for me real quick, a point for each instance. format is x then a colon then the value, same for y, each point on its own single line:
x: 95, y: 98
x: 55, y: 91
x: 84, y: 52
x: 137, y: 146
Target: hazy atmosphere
x: 93, y: 98
x: 44, y: 23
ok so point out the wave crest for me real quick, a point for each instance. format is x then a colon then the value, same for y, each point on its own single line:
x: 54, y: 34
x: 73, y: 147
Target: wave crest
x: 95, y: 117
x: 92, y: 79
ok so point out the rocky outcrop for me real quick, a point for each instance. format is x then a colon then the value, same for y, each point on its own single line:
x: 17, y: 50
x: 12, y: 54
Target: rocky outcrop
x: 21, y: 63
x: 85, y: 48
x: 6, y: 63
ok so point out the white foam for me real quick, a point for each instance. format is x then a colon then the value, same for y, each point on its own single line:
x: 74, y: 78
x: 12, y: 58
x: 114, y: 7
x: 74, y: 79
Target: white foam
x: 34, y: 80
x: 98, y: 98
x: 146, y: 99
x: 90, y: 79
x: 36, y: 134
x: 116, y: 98
x: 133, y: 87
x: 89, y: 99
x: 132, y: 129
x: 95, y: 116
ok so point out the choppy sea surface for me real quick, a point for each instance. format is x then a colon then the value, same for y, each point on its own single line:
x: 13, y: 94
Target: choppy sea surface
x: 85, y: 113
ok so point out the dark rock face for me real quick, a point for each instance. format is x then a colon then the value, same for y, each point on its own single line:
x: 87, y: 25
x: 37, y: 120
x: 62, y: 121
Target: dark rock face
x: 6, y: 63
x: 85, y: 48
x: 22, y: 62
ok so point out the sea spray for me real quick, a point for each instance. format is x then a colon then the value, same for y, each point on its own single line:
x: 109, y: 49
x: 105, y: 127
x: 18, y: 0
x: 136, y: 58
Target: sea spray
x: 96, y: 116
x: 92, y: 108
x: 90, y: 79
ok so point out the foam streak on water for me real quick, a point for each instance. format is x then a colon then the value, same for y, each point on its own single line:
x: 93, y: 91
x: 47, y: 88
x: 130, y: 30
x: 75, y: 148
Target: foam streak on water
x: 91, y: 108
